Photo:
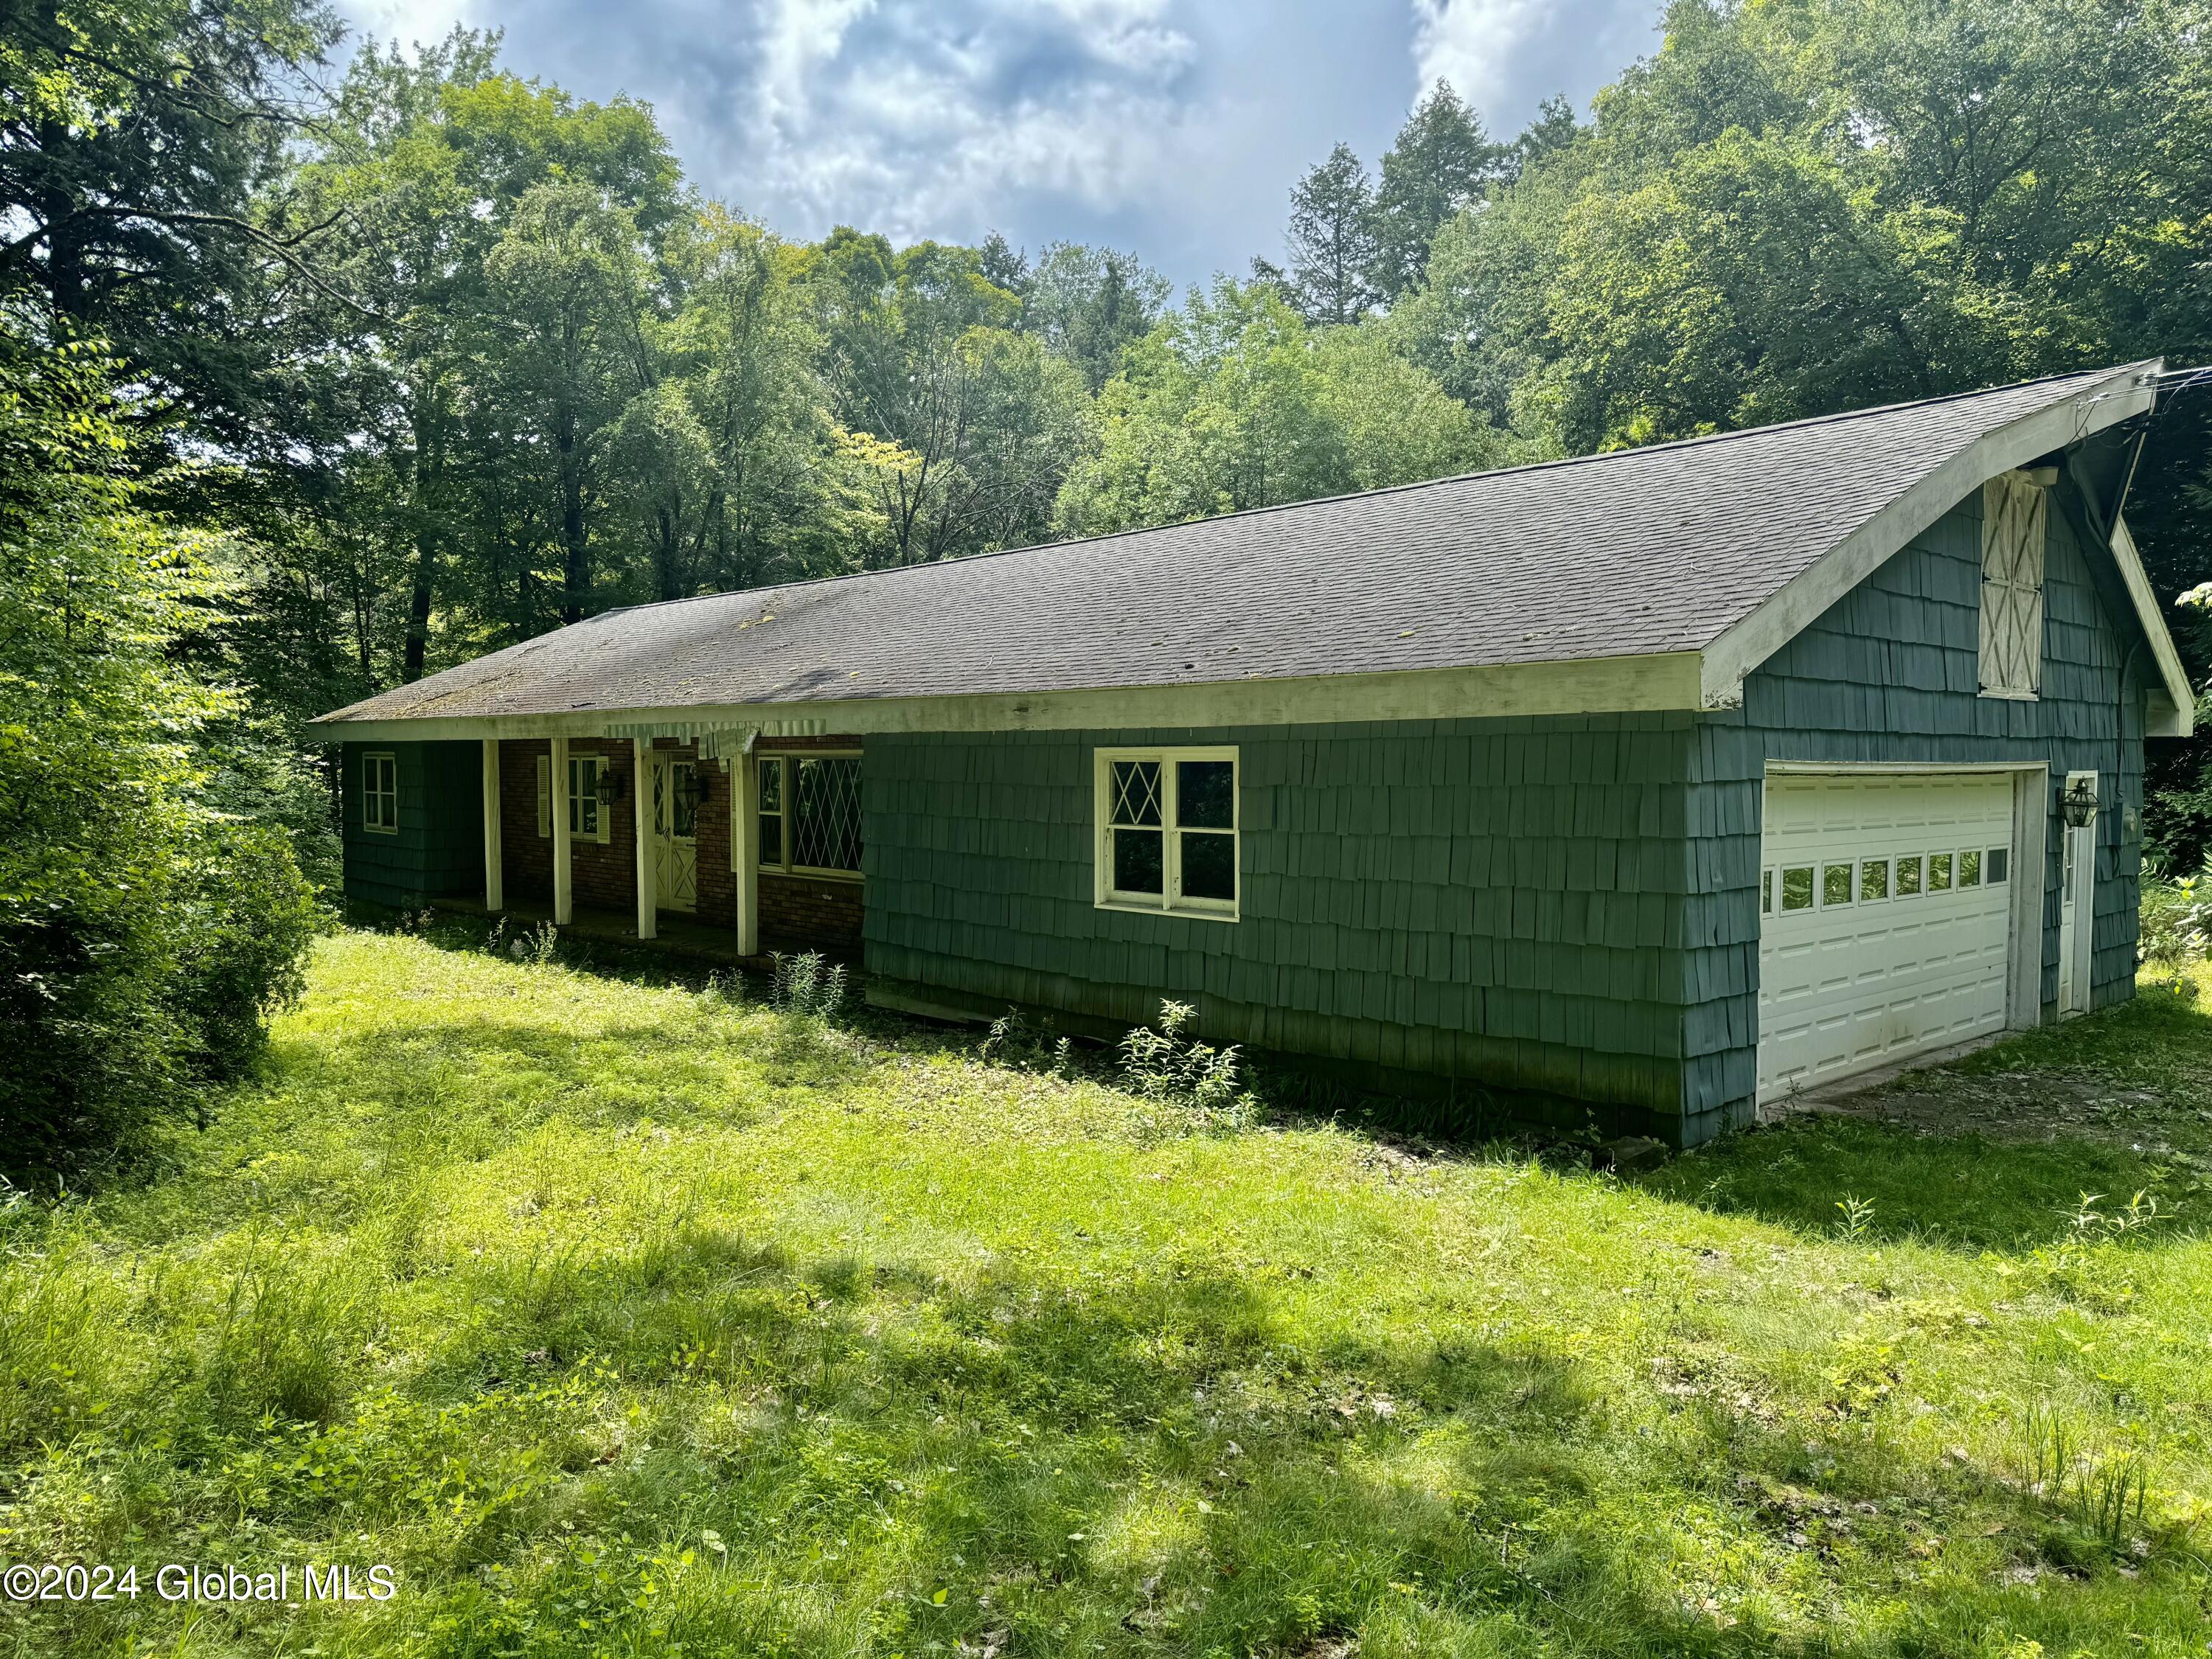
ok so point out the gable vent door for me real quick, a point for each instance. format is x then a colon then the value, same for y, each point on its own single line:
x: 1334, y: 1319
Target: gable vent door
x: 1885, y: 920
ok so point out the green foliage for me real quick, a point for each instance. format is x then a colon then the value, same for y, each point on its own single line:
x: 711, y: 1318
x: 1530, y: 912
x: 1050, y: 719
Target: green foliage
x: 144, y: 934
x: 1233, y: 403
x: 1170, y: 1063
x: 805, y: 984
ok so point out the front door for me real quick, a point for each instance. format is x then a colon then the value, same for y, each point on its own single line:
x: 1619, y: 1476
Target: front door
x: 2074, y: 910
x: 675, y: 834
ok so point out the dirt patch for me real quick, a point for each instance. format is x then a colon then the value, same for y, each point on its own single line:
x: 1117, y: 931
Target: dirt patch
x: 2027, y: 1106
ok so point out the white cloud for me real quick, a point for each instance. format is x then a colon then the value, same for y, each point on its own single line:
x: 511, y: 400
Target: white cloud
x: 1505, y: 56
x: 410, y: 21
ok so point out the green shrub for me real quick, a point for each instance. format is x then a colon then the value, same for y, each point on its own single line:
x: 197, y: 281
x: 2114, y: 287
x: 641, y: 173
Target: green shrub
x: 2176, y: 921
x: 145, y: 932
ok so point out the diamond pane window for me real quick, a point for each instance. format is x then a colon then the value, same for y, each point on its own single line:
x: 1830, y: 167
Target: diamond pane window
x: 825, y: 833
x: 1167, y: 831
x: 809, y: 812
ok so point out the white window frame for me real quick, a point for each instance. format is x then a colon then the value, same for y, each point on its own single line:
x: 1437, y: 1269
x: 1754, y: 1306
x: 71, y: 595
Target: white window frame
x: 373, y: 822
x: 1171, y: 900
x: 2015, y: 540
x: 788, y: 794
x: 579, y: 780
x: 585, y: 772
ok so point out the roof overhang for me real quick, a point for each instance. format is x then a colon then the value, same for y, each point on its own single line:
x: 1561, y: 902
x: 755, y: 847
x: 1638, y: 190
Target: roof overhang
x: 2172, y: 711
x: 1800, y: 602
x: 1593, y: 685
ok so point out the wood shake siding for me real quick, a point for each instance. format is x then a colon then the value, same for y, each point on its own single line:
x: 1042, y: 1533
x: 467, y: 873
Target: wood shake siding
x: 438, y: 848
x: 1498, y: 899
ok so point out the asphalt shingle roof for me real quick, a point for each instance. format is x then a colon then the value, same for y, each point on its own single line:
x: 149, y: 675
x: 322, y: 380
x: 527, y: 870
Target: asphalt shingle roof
x: 1634, y: 552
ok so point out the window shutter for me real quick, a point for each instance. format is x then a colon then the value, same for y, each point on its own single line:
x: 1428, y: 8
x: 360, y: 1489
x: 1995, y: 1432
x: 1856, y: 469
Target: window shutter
x: 2016, y: 523
x: 545, y: 796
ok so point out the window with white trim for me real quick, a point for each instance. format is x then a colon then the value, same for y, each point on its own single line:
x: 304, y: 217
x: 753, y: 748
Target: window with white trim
x: 2016, y: 523
x: 1167, y: 827
x: 809, y: 807
x: 589, y: 818
x: 379, y: 794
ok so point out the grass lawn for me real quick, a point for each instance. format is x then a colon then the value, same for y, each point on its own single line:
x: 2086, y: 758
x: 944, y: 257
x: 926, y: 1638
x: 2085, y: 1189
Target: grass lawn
x: 617, y: 1317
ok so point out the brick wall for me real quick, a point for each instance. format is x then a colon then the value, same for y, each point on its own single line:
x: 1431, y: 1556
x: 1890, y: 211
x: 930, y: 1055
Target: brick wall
x: 798, y: 912
x: 603, y: 876
x: 807, y: 913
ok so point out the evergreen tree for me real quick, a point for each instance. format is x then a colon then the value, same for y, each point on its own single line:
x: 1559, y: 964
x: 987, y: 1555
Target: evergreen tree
x: 1442, y: 163
x: 1332, y: 240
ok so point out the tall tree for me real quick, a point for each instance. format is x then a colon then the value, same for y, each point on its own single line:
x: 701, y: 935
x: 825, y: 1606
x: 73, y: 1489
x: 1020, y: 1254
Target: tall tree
x: 1440, y: 165
x: 1332, y: 240
x: 1090, y: 304
x: 144, y: 166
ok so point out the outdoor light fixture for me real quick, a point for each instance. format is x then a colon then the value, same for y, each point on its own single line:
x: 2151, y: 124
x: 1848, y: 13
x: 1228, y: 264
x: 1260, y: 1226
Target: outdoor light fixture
x: 608, y: 788
x: 2080, y: 803
x: 692, y: 789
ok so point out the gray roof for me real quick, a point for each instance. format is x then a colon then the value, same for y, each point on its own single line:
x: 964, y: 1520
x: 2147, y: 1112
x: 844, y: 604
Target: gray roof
x: 1638, y: 551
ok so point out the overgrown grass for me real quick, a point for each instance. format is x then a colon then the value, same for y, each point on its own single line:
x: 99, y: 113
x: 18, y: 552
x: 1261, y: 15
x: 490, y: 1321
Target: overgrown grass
x: 636, y: 1319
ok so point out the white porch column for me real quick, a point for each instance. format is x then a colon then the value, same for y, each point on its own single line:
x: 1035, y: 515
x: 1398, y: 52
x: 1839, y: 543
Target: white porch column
x: 495, y: 887
x: 744, y: 849
x: 648, y: 895
x: 564, y: 909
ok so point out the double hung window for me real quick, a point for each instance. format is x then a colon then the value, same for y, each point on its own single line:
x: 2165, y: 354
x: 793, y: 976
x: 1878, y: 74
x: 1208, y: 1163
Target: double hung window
x: 379, y: 794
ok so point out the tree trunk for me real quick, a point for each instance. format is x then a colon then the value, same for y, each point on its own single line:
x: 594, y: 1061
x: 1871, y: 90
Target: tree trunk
x: 426, y: 538
x: 576, y: 573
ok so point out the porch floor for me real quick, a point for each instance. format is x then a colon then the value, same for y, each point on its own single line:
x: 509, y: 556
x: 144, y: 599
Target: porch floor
x: 677, y: 935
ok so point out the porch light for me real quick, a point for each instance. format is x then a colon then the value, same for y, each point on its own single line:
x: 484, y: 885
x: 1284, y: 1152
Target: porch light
x: 690, y: 789
x: 2080, y: 803
x: 608, y: 788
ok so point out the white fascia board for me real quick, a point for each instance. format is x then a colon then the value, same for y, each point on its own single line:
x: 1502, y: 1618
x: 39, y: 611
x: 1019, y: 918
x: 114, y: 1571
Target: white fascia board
x: 1799, y: 603
x: 1598, y: 685
x: 2174, y: 715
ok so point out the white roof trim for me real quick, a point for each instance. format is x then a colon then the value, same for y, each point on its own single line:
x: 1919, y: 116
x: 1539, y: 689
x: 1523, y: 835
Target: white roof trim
x: 2174, y: 715
x: 1578, y: 686
x: 1739, y: 649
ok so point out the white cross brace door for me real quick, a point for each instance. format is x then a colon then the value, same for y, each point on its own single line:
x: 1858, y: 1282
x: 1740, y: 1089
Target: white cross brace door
x: 675, y: 835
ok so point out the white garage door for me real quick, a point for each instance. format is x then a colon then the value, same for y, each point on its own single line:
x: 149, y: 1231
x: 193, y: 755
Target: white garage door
x: 1885, y: 903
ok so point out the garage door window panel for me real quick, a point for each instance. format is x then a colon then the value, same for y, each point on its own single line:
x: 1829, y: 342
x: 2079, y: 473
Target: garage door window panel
x: 1873, y: 879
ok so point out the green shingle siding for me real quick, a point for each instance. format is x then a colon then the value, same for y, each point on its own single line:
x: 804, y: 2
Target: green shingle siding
x: 438, y: 849
x: 1467, y: 898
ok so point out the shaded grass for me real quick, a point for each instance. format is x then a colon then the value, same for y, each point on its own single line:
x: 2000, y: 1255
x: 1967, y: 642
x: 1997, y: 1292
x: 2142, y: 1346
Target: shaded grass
x: 622, y: 1319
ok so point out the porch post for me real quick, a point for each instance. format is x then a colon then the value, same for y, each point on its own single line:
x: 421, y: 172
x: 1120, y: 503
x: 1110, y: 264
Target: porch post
x: 744, y: 849
x: 564, y: 910
x: 648, y: 898
x: 495, y: 887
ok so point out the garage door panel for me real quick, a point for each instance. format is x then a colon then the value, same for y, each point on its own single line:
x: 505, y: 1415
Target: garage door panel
x: 1881, y: 974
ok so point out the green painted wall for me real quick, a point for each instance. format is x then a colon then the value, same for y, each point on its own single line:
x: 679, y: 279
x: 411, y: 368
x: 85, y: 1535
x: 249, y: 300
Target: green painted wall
x: 439, y: 848
x: 1500, y: 900
x: 1890, y: 674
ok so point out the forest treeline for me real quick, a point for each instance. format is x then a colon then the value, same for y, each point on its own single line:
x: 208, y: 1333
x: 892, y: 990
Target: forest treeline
x: 374, y: 359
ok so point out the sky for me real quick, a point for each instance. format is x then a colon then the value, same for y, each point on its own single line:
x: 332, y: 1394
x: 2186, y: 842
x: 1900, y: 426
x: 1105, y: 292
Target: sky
x: 1172, y: 128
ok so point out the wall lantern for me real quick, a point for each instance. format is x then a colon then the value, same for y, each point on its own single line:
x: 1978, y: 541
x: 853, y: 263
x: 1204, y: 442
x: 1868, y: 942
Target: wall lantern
x: 608, y: 788
x: 2080, y: 803
x: 690, y: 789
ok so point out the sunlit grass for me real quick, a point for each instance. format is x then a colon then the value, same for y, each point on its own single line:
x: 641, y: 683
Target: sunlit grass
x: 618, y: 1318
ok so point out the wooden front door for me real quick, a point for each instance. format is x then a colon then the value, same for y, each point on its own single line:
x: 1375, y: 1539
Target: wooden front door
x: 675, y: 835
